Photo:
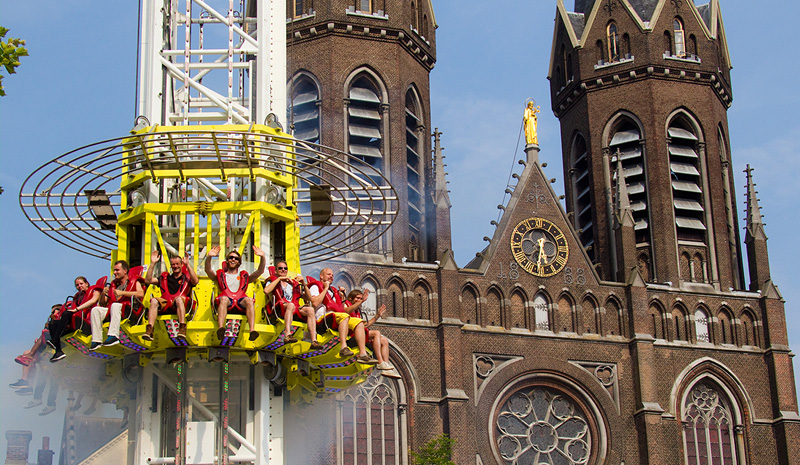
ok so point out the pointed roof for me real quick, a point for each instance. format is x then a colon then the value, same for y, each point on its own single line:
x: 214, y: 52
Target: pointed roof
x: 440, y: 192
x: 644, y: 8
x: 755, y: 222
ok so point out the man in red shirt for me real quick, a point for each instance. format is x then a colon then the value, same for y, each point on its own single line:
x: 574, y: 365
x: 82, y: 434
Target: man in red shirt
x: 175, y: 290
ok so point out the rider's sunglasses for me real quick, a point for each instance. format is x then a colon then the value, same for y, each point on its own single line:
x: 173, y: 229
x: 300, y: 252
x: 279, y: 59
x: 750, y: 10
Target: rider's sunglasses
x: 281, y: 268
x: 233, y: 257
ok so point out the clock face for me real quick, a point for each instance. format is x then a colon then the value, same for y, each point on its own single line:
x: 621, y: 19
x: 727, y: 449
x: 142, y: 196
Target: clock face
x: 539, y: 247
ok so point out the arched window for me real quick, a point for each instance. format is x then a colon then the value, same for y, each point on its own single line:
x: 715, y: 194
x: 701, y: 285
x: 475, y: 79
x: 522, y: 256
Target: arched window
x: 612, y: 42
x: 582, y: 194
x: 680, y: 41
x: 414, y: 16
x: 748, y: 329
x: 517, y: 310
x: 679, y: 330
x: 365, y: 125
x: 566, y: 323
x: 589, y: 316
x: 304, y: 117
x: 541, y: 312
x: 369, y: 427
x: 415, y: 174
x: 701, y: 327
x: 570, y: 72
x: 627, y: 150
x: 469, y: 306
x: 371, y: 304
x: 421, y: 302
x: 726, y: 327
x: 494, y: 308
x: 657, y: 322
x: 687, y: 192
x: 561, y: 76
x: 395, y: 303
x: 708, y: 426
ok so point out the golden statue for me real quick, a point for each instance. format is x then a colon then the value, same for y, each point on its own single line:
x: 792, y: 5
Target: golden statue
x: 530, y: 122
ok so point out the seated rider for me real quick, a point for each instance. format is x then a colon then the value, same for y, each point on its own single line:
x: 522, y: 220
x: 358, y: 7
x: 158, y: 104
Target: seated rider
x: 176, y: 287
x: 80, y: 303
x: 232, y: 283
x: 122, y: 292
x: 286, y: 293
x: 380, y: 343
x: 329, y: 310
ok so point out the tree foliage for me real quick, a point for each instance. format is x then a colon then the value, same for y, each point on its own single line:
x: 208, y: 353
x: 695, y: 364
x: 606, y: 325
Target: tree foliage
x: 437, y: 451
x: 10, y: 51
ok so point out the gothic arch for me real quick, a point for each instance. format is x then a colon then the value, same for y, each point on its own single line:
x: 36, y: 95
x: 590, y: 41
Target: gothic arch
x: 657, y: 321
x: 372, y: 75
x: 589, y: 312
x: 713, y: 415
x: 515, y: 314
x: 749, y: 331
x: 421, y: 303
x: 613, y: 318
x: 721, y: 373
x: 702, y: 324
x: 395, y: 297
x: 343, y: 278
x: 469, y: 301
x: 686, y: 117
x: 369, y: 282
x: 493, y: 315
x: 679, y: 329
x: 615, y: 123
x: 565, y: 320
x: 727, y: 329
x: 542, y: 311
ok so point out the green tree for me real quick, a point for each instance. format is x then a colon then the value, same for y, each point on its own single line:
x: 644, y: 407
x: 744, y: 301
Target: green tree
x: 437, y: 451
x: 10, y: 51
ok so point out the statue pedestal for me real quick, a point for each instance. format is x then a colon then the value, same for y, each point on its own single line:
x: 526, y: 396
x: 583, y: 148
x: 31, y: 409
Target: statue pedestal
x: 532, y: 150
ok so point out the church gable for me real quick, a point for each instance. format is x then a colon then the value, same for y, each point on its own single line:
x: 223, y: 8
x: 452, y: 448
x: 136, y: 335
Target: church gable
x: 534, y: 241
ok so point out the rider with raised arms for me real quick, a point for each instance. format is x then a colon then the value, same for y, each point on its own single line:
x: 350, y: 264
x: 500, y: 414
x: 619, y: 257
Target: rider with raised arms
x: 232, y: 284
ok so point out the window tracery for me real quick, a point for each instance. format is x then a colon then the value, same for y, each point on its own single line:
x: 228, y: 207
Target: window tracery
x: 369, y: 423
x: 709, y: 436
x: 540, y: 424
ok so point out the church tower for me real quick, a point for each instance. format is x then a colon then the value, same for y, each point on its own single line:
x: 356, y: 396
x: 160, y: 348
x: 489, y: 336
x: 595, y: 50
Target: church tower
x: 359, y: 82
x: 641, y: 89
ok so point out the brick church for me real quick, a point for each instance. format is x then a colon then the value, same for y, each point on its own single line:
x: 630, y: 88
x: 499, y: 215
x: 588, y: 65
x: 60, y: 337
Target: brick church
x: 615, y: 327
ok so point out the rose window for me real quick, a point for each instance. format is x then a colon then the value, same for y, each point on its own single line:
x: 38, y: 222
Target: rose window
x: 539, y: 425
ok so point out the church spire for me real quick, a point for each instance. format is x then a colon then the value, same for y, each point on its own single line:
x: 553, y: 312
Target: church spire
x: 624, y: 224
x: 441, y: 196
x: 755, y: 237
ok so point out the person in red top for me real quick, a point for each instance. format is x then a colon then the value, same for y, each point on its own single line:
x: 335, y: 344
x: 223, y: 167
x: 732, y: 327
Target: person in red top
x: 286, y: 293
x: 232, y: 283
x: 380, y: 343
x: 59, y: 325
x: 175, y: 289
x: 328, y: 304
x: 121, y: 292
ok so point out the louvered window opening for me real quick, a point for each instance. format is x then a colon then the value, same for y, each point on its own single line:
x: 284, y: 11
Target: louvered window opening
x: 306, y: 120
x: 583, y: 196
x: 626, y: 149
x: 686, y: 181
x: 364, y: 127
x: 414, y: 169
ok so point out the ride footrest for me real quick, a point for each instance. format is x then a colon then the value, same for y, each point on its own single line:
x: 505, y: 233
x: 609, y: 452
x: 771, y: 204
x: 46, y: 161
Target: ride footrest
x: 172, y: 333
x: 232, y: 327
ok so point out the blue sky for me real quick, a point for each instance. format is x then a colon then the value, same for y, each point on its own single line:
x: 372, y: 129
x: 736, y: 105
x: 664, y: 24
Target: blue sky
x: 77, y: 87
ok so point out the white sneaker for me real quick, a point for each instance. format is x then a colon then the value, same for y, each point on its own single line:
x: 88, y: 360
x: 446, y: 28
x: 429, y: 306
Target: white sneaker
x: 391, y: 374
x: 33, y: 403
x: 47, y: 410
x: 384, y: 366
